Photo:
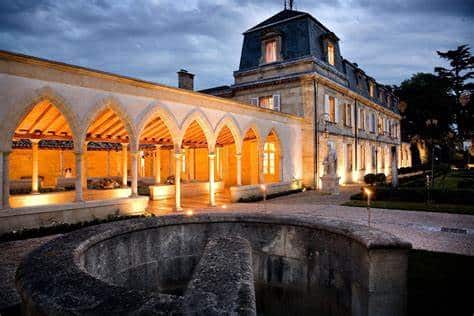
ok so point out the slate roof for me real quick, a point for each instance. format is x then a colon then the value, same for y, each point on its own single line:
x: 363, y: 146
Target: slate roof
x: 302, y: 36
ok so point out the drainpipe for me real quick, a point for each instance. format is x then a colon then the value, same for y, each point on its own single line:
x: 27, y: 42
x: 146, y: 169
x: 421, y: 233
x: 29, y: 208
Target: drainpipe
x: 316, y: 133
x: 356, y: 142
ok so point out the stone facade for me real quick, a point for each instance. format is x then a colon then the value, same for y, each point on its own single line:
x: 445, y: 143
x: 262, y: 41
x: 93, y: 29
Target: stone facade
x: 303, y: 80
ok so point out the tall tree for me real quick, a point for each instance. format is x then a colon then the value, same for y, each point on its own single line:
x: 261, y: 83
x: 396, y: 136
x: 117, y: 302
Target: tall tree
x: 424, y: 97
x: 459, y: 76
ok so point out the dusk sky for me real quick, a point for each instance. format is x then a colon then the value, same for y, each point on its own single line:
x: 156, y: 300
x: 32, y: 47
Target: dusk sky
x: 152, y: 39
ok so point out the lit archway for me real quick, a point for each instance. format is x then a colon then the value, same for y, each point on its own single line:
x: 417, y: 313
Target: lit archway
x: 226, y: 157
x: 156, y: 147
x: 250, y: 157
x: 42, y: 158
x: 106, y: 161
x: 271, y: 167
x: 195, y: 149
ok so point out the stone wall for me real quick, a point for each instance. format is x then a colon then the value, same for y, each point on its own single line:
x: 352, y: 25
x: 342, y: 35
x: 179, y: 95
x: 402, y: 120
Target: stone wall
x: 299, y: 266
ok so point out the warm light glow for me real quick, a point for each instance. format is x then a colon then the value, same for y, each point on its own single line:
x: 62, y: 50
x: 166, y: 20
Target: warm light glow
x: 224, y: 206
x: 263, y: 187
x: 367, y: 192
x: 189, y: 213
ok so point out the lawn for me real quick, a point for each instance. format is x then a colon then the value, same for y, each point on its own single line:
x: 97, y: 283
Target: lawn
x: 414, y: 206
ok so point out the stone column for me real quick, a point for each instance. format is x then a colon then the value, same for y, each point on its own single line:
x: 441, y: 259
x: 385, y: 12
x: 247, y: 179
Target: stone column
x: 35, y: 173
x: 177, y: 180
x: 6, y: 180
x: 261, y: 175
x: 108, y: 163
x: 84, y: 166
x: 135, y: 155
x: 212, y: 193
x: 124, y: 165
x: 79, y: 176
x: 157, y: 165
x: 238, y: 158
x: 61, y: 163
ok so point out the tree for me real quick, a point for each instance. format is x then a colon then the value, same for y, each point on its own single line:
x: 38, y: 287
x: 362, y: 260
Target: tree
x: 426, y: 96
x: 459, y: 76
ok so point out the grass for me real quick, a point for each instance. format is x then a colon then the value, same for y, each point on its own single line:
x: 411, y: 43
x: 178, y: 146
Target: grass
x: 414, y: 206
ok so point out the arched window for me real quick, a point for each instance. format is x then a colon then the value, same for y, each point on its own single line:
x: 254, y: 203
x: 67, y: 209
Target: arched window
x: 269, y: 158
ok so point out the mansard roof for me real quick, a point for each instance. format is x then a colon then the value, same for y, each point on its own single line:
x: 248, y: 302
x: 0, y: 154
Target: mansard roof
x: 303, y: 36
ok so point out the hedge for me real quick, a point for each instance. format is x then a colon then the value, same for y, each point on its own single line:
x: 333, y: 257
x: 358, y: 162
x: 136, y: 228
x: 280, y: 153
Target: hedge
x: 413, y: 194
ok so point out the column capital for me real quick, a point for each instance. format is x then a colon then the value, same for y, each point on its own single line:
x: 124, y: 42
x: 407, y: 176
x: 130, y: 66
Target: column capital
x: 211, y: 155
x: 238, y: 156
x: 35, y: 141
x: 178, y: 155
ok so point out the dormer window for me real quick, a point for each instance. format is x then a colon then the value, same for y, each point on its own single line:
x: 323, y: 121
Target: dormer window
x: 372, y: 89
x: 331, y: 57
x: 270, y: 51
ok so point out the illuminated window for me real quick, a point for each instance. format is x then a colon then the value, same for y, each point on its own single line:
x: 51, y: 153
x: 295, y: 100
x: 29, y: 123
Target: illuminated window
x: 270, y: 51
x: 332, y: 109
x: 269, y: 158
x: 331, y: 54
x: 349, y: 157
x: 348, y: 115
x: 374, y: 157
x: 266, y: 102
x: 362, y: 157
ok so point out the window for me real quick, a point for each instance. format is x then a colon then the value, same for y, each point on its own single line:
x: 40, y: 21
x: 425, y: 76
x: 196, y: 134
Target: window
x: 372, y: 122
x: 374, y: 158
x: 362, y: 157
x: 380, y: 125
x: 372, y: 89
x: 270, y: 51
x: 254, y: 101
x: 361, y: 119
x: 271, y: 102
x: 332, y: 109
x: 269, y: 158
x: 331, y: 59
x: 348, y: 115
x: 349, y: 157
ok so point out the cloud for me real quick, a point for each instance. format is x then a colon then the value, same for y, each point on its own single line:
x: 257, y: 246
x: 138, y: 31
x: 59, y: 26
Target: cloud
x: 152, y: 39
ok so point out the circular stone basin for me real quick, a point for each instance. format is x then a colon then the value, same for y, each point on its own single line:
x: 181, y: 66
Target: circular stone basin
x: 213, y: 264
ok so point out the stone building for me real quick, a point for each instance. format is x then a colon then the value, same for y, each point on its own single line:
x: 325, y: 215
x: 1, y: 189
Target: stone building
x: 291, y: 63
x: 78, y: 143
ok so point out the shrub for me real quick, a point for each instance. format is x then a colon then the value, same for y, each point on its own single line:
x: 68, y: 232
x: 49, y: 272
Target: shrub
x: 417, y: 194
x: 380, y: 178
x: 369, y: 179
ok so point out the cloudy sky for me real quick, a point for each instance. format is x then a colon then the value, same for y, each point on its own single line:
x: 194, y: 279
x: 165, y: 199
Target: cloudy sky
x: 152, y: 39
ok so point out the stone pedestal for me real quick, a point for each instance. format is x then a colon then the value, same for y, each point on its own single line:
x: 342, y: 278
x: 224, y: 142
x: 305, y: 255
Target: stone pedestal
x: 330, y: 184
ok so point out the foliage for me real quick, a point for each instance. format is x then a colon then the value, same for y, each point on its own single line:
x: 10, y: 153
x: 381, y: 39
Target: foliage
x: 459, y: 75
x: 60, y: 228
x: 419, y: 195
x: 380, y: 178
x: 369, y: 179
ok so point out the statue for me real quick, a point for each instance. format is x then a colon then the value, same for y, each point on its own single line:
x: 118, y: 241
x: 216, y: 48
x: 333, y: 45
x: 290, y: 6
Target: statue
x: 330, y: 180
x: 330, y: 163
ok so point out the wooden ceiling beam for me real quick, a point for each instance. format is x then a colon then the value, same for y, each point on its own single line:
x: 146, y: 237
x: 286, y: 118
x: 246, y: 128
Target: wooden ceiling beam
x: 38, y: 119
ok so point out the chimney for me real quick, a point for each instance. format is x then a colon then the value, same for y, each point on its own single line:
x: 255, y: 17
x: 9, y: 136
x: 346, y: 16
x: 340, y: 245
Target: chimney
x: 185, y: 80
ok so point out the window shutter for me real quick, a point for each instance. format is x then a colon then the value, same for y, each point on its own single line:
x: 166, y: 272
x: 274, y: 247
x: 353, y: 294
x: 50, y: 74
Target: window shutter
x: 352, y: 115
x: 337, y: 110
x: 326, y: 104
x: 254, y: 101
x: 276, y: 102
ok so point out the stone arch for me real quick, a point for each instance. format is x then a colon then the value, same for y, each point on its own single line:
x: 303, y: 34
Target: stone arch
x: 201, y: 118
x: 279, y: 161
x: 113, y: 104
x: 258, y: 132
x: 231, y: 123
x: 25, y: 107
x: 156, y: 109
